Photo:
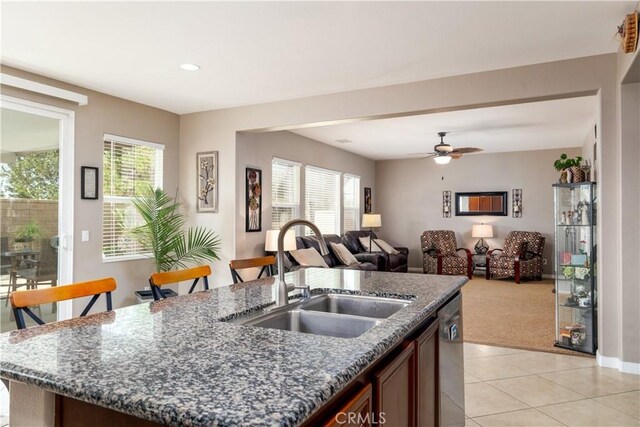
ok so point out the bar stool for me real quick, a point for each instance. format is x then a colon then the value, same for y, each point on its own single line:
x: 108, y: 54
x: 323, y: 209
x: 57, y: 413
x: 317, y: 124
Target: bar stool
x: 167, y: 277
x: 266, y: 262
x: 22, y: 300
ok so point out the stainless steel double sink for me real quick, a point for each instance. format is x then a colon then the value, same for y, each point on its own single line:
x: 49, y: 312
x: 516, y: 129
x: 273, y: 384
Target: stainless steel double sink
x: 335, y: 315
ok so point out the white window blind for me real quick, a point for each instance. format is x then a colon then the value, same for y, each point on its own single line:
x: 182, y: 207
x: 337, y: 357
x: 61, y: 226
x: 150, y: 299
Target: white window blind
x: 285, y: 192
x: 322, y: 199
x: 130, y: 168
x: 351, y: 202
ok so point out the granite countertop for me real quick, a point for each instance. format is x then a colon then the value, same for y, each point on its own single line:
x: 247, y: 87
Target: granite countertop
x: 178, y: 362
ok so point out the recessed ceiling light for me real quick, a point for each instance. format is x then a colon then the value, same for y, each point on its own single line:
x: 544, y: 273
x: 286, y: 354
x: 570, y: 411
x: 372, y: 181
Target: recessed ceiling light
x: 190, y: 67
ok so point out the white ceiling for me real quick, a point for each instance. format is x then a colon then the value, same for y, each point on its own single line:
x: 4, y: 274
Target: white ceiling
x: 522, y: 127
x: 23, y: 132
x: 254, y: 52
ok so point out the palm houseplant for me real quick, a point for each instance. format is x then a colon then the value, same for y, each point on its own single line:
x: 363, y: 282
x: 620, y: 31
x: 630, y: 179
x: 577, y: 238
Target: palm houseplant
x: 163, y: 233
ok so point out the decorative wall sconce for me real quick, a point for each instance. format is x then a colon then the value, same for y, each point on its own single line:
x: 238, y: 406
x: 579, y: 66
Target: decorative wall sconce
x: 516, y: 203
x: 446, y: 204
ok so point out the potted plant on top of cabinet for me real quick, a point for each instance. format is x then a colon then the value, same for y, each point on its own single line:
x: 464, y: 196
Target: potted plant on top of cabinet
x: 569, y: 168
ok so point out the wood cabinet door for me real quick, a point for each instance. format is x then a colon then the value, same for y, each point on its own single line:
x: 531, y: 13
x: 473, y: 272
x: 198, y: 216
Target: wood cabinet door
x: 394, y: 386
x: 426, y: 348
x: 355, y: 413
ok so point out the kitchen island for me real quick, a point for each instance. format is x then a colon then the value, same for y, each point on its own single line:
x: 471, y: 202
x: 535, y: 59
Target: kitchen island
x: 182, y: 361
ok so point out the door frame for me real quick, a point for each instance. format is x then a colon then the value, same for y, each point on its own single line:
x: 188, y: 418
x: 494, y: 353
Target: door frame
x: 67, y: 185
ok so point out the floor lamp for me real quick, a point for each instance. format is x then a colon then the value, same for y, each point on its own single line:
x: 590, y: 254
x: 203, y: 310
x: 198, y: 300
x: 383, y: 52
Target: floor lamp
x: 371, y: 221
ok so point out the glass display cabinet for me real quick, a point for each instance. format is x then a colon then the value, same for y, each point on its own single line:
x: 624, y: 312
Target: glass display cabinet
x: 576, y: 266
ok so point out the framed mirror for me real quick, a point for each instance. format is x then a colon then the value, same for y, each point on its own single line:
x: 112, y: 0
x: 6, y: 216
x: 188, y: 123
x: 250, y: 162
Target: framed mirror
x: 488, y: 203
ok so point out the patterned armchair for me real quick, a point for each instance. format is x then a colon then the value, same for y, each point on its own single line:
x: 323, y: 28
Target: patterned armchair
x: 521, y: 257
x: 440, y: 254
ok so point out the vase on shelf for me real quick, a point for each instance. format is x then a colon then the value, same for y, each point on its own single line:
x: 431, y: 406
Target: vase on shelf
x: 578, y: 174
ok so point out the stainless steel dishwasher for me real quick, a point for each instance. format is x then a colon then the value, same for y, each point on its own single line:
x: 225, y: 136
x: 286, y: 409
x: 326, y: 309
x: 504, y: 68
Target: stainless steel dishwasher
x: 451, y: 364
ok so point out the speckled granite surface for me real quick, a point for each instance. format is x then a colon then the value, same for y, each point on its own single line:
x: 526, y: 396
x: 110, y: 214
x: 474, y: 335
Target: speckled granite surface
x: 176, y: 363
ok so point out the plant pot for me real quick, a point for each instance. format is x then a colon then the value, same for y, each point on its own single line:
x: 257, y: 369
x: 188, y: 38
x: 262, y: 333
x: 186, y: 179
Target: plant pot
x: 578, y: 174
x: 563, y: 177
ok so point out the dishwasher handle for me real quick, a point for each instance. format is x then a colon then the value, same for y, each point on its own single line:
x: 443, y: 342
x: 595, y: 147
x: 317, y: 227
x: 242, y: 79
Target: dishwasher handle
x: 450, y: 328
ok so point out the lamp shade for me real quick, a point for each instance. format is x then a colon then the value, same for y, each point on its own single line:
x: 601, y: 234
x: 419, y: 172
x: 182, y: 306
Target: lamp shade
x: 271, y: 241
x: 442, y: 160
x: 482, y: 230
x: 371, y: 220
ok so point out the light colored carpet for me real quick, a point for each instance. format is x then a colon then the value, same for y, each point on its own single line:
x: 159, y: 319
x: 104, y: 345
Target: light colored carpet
x: 501, y: 313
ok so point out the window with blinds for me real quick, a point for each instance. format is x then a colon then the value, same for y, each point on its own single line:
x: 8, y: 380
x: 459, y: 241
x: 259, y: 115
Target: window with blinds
x: 285, y: 192
x: 322, y: 199
x: 130, y: 168
x: 351, y: 202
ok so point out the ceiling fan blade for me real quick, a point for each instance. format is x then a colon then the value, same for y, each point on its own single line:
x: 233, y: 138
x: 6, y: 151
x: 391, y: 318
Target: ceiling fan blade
x: 428, y: 157
x: 455, y: 156
x: 467, y: 150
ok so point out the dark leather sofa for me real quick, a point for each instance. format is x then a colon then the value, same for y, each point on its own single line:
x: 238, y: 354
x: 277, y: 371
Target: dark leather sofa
x: 395, y: 263
x: 371, y: 262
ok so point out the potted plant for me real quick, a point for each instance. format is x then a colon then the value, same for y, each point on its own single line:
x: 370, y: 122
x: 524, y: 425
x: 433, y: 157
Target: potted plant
x: 568, y: 165
x: 26, y: 234
x: 163, y: 233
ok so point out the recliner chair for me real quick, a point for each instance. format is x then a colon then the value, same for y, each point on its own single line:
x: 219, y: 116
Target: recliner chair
x: 371, y: 262
x: 440, y: 254
x: 521, y: 257
x: 393, y: 262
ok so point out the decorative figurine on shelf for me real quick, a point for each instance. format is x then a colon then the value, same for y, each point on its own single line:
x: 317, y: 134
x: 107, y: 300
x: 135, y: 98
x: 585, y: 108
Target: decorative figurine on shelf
x: 578, y: 335
x: 563, y: 218
x: 568, y: 271
x: 583, y: 246
x: 584, y: 213
x: 572, y: 301
x: 579, y: 213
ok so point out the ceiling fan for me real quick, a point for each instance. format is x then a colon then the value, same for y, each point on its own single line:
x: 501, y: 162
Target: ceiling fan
x: 443, y: 153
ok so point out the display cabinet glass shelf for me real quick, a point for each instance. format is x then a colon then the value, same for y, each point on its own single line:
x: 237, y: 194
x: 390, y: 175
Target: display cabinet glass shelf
x: 576, y: 266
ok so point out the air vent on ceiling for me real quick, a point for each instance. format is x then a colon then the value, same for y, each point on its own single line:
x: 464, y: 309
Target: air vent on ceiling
x: 343, y: 141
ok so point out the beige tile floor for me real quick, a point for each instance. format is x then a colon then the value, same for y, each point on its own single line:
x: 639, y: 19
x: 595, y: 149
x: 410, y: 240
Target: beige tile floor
x: 508, y: 387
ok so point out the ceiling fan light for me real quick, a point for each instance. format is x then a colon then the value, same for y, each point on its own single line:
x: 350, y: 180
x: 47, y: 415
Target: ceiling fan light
x: 442, y: 160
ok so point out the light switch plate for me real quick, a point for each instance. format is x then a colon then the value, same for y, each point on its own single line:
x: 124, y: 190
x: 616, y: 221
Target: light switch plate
x: 85, y: 235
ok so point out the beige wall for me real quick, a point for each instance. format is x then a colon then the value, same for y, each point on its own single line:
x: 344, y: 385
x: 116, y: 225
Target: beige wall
x: 410, y: 197
x: 258, y: 149
x: 629, y: 75
x: 216, y: 130
x: 107, y: 114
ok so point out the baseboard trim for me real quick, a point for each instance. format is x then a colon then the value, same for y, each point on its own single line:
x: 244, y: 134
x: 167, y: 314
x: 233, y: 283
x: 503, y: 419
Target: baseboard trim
x: 616, y: 363
x: 419, y: 270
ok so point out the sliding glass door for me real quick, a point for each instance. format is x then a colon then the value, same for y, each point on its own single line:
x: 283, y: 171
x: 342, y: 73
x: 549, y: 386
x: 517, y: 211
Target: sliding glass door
x: 36, y: 215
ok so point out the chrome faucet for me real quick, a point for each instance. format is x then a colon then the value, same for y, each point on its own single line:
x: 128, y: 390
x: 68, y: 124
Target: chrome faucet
x: 283, y: 288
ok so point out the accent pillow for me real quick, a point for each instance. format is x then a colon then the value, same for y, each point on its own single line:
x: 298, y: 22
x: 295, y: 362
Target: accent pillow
x: 309, y: 258
x: 343, y: 254
x: 386, y: 247
x: 364, y: 241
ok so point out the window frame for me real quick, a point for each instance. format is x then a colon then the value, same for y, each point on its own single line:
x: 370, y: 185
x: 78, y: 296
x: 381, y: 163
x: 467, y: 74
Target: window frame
x: 338, y: 199
x: 356, y: 208
x: 158, y: 179
x: 297, y: 190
